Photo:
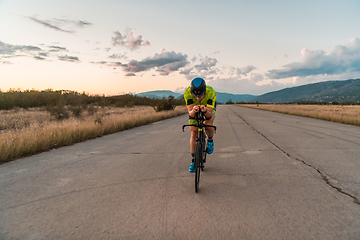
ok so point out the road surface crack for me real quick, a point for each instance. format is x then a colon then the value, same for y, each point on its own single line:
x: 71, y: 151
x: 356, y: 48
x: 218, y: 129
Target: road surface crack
x: 324, y: 177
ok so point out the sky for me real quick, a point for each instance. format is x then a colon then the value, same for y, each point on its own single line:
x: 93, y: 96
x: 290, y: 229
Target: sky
x: 114, y: 47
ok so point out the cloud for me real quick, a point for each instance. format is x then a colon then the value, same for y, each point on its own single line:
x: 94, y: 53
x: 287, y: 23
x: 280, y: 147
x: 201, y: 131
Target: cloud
x: 56, y: 23
x: 57, y: 49
x: 116, y: 64
x: 172, y: 67
x: 204, y: 67
x: 180, y: 89
x: 118, y: 56
x: 129, y: 40
x: 53, y: 51
x: 46, y: 24
x: 255, y: 77
x: 10, y: 50
x: 109, y: 64
x: 164, y: 62
x: 39, y: 58
x: 101, y: 62
x: 130, y: 74
x: 206, y: 64
x: 69, y: 58
x: 344, y: 58
x: 241, y: 71
x: 237, y: 85
x: 77, y: 23
x: 186, y: 71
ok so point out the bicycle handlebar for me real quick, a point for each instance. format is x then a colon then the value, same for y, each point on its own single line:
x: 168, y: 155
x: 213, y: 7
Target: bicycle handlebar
x: 202, y: 125
x: 199, y: 117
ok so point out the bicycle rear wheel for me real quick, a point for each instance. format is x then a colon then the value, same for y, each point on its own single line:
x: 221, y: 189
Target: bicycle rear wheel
x: 198, y: 164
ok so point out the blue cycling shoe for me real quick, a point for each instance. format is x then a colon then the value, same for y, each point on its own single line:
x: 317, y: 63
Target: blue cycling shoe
x: 210, y: 147
x: 192, y: 168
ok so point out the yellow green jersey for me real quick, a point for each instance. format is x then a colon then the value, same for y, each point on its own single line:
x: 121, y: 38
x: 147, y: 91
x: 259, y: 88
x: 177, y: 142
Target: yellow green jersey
x: 208, y: 100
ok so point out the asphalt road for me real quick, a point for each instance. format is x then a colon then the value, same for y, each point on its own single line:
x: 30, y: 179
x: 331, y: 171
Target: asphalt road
x: 272, y: 176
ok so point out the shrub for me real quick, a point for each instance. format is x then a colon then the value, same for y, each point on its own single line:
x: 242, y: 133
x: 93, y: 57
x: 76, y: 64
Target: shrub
x: 91, y: 109
x: 165, y: 104
x: 130, y: 104
x: 97, y: 120
x: 59, y: 111
x: 76, y: 111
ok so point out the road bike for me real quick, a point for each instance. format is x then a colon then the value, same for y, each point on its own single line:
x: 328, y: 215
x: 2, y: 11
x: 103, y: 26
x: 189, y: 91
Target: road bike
x: 201, y: 146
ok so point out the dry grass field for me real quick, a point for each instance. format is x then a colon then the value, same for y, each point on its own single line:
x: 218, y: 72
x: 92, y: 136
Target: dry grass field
x: 27, y: 132
x: 347, y: 114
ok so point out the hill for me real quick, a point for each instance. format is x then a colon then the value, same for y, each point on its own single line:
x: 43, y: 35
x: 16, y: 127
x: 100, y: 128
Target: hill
x: 330, y: 91
x: 346, y: 91
x: 224, y: 97
x: 221, y: 97
x: 159, y: 94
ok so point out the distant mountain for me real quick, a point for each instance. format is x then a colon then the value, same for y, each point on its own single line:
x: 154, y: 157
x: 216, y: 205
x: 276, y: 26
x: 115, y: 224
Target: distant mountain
x: 224, y: 97
x: 159, y: 94
x: 221, y: 97
x: 330, y: 91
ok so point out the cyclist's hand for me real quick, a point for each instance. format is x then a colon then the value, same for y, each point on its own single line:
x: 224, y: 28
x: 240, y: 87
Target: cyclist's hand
x: 203, y: 108
x: 196, y: 108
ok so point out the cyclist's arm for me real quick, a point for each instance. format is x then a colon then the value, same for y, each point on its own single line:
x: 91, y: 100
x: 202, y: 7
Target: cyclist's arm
x: 209, y: 112
x: 191, y: 110
x: 210, y: 105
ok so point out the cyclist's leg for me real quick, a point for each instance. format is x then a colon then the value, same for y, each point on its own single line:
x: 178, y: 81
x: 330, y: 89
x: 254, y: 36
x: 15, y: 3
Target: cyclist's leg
x: 210, y: 133
x: 194, y: 132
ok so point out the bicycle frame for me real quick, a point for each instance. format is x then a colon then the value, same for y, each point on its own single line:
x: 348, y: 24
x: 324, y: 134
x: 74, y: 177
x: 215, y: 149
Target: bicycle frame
x: 200, y: 153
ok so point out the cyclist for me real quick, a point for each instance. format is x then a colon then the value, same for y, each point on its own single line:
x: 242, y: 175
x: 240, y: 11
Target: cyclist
x: 199, y: 97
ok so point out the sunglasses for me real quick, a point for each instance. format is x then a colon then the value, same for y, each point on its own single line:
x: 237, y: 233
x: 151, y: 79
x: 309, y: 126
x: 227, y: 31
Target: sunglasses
x: 198, y: 95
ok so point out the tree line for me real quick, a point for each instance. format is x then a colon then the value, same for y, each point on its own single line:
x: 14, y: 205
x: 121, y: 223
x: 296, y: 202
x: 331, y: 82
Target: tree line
x: 35, y: 98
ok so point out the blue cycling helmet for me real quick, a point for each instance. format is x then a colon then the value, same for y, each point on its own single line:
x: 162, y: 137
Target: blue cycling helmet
x: 198, y: 86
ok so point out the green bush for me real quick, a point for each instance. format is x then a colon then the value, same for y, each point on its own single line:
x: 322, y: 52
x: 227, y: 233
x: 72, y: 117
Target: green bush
x: 59, y: 111
x: 35, y: 98
x: 165, y: 104
x: 130, y: 104
x: 91, y: 109
x: 229, y: 102
x: 76, y: 111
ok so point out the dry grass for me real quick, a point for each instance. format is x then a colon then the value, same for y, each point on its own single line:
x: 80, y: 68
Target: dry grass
x: 347, y: 114
x: 19, y: 118
x: 29, y: 132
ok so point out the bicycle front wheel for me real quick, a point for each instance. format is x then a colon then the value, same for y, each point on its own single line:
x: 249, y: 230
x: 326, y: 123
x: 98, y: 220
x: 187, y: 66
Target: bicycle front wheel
x: 204, y: 147
x: 198, y: 163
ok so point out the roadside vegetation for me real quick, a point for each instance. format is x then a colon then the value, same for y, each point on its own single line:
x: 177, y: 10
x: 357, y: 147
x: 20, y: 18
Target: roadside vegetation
x: 32, y: 121
x: 35, y: 98
x: 347, y: 114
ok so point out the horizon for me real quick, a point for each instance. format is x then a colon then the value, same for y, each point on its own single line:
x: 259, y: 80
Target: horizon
x: 162, y: 90
x: 134, y: 47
